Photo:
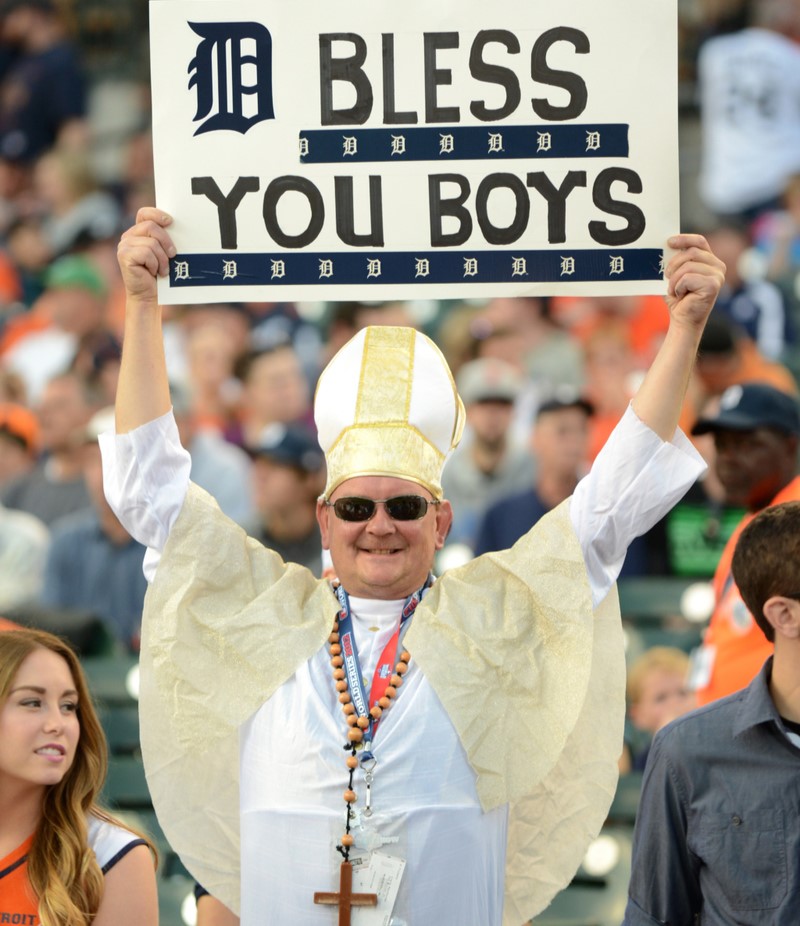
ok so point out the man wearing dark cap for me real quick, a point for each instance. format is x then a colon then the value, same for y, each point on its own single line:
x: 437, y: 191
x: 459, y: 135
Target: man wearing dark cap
x: 560, y: 446
x: 288, y: 476
x: 490, y: 463
x: 755, y: 433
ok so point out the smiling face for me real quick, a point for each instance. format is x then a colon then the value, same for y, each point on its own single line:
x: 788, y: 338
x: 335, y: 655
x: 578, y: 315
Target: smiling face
x: 382, y: 558
x: 39, y: 727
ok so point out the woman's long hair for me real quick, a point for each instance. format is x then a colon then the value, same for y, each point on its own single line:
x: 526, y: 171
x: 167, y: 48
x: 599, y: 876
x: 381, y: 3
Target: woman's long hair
x: 62, y: 868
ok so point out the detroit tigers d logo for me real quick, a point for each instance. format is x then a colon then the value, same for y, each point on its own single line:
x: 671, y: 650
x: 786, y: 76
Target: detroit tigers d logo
x: 232, y: 74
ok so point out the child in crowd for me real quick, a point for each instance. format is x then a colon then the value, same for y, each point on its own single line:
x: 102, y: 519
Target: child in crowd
x: 657, y: 693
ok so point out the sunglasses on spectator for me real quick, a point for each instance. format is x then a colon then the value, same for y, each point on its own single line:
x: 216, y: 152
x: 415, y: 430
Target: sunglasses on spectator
x: 399, y: 508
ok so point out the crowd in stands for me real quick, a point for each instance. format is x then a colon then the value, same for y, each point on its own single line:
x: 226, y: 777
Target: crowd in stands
x: 544, y: 380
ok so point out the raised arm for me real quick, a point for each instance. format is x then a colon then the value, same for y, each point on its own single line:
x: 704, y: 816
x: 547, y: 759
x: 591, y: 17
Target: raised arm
x: 644, y: 470
x: 695, y: 277
x: 143, y: 254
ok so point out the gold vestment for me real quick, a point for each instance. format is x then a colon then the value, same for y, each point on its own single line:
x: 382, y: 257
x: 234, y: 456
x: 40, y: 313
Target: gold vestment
x: 531, y: 677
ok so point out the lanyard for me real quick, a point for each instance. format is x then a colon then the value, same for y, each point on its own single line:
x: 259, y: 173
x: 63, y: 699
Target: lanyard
x: 384, y: 667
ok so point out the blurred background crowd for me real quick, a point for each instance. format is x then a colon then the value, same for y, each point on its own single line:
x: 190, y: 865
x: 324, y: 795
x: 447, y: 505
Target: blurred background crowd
x: 544, y: 380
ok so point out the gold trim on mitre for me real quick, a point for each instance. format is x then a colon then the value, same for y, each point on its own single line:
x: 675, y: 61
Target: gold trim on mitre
x: 387, y: 405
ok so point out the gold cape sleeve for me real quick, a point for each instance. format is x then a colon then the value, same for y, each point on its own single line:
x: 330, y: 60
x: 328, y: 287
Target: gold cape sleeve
x: 225, y: 622
x: 534, y: 682
x: 531, y: 678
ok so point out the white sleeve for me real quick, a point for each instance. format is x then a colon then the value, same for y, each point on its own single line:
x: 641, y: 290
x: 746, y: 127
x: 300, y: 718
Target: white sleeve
x: 145, y: 478
x: 110, y: 842
x: 634, y: 481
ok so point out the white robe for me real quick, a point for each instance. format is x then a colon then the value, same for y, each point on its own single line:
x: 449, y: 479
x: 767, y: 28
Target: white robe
x: 424, y: 793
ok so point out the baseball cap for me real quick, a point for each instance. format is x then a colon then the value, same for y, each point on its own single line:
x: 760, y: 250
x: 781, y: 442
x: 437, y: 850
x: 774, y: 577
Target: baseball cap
x: 292, y: 445
x: 748, y: 406
x: 74, y: 272
x: 20, y: 423
x: 564, y: 397
x: 488, y: 380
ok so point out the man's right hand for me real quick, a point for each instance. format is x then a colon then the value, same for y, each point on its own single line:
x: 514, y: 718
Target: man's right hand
x: 143, y: 254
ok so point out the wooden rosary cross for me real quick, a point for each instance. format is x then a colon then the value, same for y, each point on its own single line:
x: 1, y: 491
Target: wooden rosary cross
x: 346, y: 899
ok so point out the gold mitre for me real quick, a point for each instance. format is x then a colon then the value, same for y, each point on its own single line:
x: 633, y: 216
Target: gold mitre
x: 387, y: 405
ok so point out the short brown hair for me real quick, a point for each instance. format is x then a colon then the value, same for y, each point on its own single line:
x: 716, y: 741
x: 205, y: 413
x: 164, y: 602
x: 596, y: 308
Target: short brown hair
x: 766, y: 561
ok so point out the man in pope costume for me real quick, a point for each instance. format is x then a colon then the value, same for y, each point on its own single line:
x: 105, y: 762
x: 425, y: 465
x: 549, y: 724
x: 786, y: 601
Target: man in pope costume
x: 495, y: 759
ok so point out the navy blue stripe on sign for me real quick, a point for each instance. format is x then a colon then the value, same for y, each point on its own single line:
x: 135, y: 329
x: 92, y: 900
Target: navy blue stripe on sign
x: 412, y: 267
x: 465, y: 143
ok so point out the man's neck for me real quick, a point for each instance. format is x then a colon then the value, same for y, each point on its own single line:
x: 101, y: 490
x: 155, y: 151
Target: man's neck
x: 553, y: 488
x: 784, y: 685
x: 758, y: 504
x: 488, y: 456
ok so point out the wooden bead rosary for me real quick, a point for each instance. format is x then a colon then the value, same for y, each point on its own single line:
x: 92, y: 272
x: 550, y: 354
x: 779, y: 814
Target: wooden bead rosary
x: 358, y: 724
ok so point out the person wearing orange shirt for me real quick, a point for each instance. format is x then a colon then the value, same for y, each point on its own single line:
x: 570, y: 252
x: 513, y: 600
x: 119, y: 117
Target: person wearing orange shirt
x: 756, y: 431
x: 63, y: 859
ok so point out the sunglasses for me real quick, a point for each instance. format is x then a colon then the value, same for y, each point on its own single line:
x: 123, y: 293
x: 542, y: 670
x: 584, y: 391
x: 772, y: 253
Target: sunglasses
x: 399, y: 508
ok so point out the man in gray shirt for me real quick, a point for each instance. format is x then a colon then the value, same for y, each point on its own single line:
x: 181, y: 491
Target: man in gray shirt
x: 717, y: 839
x: 489, y: 463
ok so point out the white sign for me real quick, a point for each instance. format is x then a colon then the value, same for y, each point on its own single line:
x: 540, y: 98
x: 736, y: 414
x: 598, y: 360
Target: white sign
x: 375, y: 150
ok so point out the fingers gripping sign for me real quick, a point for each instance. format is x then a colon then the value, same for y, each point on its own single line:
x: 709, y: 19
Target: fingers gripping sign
x: 143, y: 253
x: 695, y: 276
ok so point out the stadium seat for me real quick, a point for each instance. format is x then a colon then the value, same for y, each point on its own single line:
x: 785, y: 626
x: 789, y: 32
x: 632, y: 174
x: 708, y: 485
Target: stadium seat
x: 126, y: 786
x: 113, y: 679
x: 626, y: 799
x: 121, y: 725
x: 84, y: 630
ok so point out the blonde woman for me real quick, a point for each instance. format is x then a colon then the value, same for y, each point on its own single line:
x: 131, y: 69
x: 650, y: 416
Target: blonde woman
x: 63, y: 860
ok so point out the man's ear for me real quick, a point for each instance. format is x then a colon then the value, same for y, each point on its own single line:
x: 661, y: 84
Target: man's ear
x: 322, y: 520
x: 444, y: 521
x: 784, y: 616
